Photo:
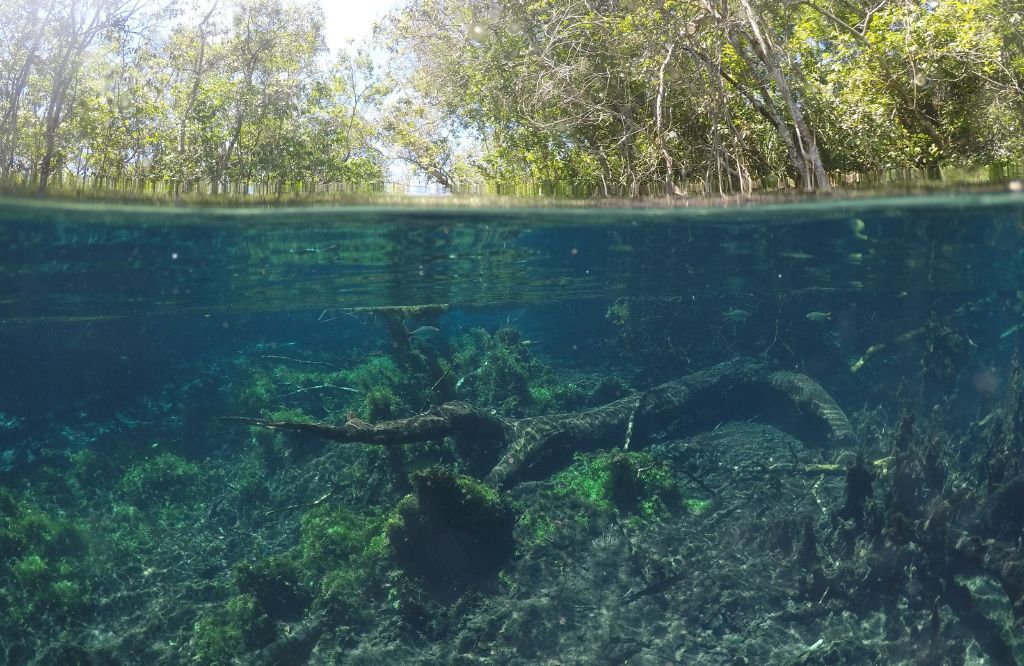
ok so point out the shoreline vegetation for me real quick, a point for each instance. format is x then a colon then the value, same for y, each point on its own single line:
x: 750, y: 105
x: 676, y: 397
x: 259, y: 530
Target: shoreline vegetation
x: 953, y: 182
x: 561, y: 98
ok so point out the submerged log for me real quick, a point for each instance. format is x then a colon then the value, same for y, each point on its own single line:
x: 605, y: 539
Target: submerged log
x: 535, y: 446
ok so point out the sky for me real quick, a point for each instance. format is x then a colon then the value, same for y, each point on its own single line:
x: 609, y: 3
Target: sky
x: 352, y: 19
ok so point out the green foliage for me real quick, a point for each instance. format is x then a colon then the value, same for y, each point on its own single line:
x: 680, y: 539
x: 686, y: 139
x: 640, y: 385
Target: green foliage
x: 380, y: 404
x: 44, y: 565
x: 631, y: 483
x: 629, y: 98
x: 697, y: 506
x: 646, y: 97
x: 535, y: 527
x: 333, y: 537
x: 226, y: 634
x: 165, y: 478
x: 341, y: 553
x: 498, y: 371
x: 240, y: 101
x: 375, y: 389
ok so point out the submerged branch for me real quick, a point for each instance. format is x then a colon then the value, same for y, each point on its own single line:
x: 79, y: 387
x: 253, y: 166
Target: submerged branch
x: 536, y: 446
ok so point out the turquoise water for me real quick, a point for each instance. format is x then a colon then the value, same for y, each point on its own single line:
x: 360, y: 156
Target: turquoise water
x: 688, y: 437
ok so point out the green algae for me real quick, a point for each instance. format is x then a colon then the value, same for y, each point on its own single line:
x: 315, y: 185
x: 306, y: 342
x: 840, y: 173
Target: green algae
x: 46, y: 564
x: 165, y: 478
x: 239, y: 627
x: 497, y: 370
x: 343, y: 554
x: 631, y: 483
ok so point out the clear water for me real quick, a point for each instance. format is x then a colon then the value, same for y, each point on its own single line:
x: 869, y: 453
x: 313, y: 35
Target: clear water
x: 128, y: 333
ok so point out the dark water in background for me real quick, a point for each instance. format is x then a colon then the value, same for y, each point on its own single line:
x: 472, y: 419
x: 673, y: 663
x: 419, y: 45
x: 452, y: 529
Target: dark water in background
x: 100, y: 307
x: 114, y: 320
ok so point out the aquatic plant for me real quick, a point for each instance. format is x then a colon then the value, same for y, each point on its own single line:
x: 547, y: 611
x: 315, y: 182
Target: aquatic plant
x: 129, y: 529
x: 332, y: 537
x: 642, y: 332
x: 341, y: 554
x: 378, y: 388
x: 548, y: 395
x: 26, y: 528
x: 220, y: 637
x: 697, y: 505
x: 535, y: 527
x: 380, y: 404
x: 622, y: 481
x: 494, y: 370
x: 159, y: 480
x: 289, y: 414
x: 498, y: 371
x: 45, y: 566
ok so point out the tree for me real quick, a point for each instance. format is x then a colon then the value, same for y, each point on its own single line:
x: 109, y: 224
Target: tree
x: 22, y: 41
x: 73, y: 26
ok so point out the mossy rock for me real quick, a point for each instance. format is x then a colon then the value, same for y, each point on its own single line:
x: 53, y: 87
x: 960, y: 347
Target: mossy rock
x: 452, y: 533
x: 274, y: 583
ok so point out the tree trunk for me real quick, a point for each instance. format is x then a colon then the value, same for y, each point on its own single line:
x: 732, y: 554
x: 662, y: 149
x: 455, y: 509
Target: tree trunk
x: 810, y: 166
x: 659, y: 129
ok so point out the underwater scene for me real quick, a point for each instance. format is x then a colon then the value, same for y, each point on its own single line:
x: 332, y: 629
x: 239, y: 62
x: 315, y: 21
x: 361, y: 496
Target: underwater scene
x: 769, y: 434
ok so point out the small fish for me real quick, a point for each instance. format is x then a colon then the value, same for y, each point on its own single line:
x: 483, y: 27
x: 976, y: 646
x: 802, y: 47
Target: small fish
x: 424, y: 333
x: 736, y: 315
x: 857, y: 226
x: 803, y: 256
x: 859, y: 363
x: 1008, y: 332
x: 819, y: 316
x: 985, y: 421
x: 270, y: 346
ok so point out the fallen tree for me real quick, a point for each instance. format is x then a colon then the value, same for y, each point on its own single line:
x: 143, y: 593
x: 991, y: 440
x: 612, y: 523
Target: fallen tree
x: 517, y: 449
